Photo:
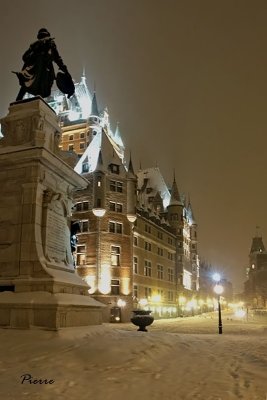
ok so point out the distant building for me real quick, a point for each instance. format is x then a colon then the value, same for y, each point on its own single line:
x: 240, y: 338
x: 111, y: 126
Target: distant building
x: 138, y: 241
x: 256, y: 283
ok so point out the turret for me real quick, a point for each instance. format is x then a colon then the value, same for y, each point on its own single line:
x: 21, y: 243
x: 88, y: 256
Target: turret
x: 175, y: 209
x: 94, y: 119
x: 99, y: 188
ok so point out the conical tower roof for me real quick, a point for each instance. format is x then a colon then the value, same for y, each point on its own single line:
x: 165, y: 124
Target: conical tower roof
x: 131, y: 173
x: 94, y: 107
x: 190, y: 214
x: 175, y: 195
x: 100, y: 165
x: 117, y: 136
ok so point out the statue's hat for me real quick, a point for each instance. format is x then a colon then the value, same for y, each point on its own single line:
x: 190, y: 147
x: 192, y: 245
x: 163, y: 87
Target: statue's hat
x: 43, y: 33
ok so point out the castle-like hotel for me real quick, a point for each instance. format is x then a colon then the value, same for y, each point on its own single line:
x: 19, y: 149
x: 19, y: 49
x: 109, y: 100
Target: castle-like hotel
x: 138, y: 244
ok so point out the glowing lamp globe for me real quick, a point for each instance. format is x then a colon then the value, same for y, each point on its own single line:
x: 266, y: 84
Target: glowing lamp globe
x: 218, y: 289
x: 216, y: 277
x: 99, y: 212
x: 131, y: 218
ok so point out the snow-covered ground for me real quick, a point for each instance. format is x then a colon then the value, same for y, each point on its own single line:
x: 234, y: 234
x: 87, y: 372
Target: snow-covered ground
x: 181, y: 359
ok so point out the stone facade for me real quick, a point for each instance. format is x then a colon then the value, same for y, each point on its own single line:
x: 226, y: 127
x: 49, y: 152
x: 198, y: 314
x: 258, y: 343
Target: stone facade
x: 38, y: 283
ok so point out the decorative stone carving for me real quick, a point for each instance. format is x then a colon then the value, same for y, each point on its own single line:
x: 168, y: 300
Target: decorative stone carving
x: 56, y: 233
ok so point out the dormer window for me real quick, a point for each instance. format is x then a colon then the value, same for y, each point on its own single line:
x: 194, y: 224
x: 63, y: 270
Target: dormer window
x: 85, y: 167
x: 115, y: 169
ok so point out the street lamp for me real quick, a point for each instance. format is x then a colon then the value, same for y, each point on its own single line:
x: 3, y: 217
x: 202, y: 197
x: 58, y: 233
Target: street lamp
x: 99, y: 213
x: 218, y: 289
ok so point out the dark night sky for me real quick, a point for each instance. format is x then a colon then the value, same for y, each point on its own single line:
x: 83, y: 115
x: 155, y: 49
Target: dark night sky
x: 188, y: 82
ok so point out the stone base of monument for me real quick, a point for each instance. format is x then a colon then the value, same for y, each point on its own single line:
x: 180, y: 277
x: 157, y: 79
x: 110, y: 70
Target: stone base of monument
x: 52, y: 311
x: 38, y: 283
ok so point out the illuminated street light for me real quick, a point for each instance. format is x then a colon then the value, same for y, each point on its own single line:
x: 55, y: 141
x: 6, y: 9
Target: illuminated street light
x: 121, y: 303
x: 218, y: 289
x: 216, y: 277
x: 143, y: 302
x: 99, y: 213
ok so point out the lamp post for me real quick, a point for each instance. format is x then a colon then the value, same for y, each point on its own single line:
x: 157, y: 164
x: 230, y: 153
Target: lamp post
x: 218, y: 289
x: 99, y: 213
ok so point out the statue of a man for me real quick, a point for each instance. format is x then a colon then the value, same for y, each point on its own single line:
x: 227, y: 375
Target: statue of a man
x: 37, y: 74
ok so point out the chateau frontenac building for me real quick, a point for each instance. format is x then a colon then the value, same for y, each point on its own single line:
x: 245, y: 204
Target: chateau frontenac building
x: 137, y: 245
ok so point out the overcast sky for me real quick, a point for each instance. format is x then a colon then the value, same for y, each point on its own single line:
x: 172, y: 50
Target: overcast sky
x: 187, y: 80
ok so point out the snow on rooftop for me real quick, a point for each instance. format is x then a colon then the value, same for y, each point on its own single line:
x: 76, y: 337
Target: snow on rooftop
x: 156, y: 182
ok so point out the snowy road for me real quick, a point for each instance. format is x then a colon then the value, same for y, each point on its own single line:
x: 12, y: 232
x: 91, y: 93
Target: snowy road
x: 181, y: 359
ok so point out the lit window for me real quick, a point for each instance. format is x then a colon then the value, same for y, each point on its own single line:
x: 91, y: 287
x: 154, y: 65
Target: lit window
x: 117, y: 207
x: 115, y: 227
x: 148, y: 292
x: 115, y: 169
x: 147, y: 246
x: 81, y: 254
x: 115, y: 286
x: 84, y: 225
x: 112, y: 206
x: 135, y: 291
x: 160, y: 235
x: 115, y: 255
x: 78, y: 206
x: 148, y: 268
x: 147, y: 228
x: 170, y: 275
x: 115, y: 186
x: 135, y: 265
x: 82, y: 206
x: 160, y: 251
x: 85, y: 167
x: 160, y: 271
x: 85, y: 205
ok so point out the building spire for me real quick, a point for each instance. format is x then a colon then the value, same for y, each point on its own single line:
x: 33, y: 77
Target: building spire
x: 99, y: 165
x: 117, y: 136
x: 83, y: 75
x: 190, y: 212
x: 130, y: 167
x: 175, y: 195
x: 94, y: 107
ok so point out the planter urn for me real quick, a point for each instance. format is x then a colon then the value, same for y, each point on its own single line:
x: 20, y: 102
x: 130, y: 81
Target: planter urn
x: 142, y: 318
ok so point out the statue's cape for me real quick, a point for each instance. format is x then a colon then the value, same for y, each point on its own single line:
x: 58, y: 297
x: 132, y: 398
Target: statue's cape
x: 65, y: 83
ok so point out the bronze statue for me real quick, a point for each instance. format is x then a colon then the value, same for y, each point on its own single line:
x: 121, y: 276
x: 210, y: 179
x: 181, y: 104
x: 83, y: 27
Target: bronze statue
x: 38, y: 74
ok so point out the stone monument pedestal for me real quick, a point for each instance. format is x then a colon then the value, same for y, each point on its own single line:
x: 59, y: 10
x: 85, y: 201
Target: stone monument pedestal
x: 38, y: 283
